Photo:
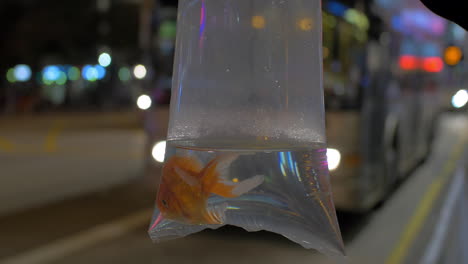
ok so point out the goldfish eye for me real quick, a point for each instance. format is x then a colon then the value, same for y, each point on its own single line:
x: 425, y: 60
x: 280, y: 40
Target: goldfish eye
x: 164, y: 203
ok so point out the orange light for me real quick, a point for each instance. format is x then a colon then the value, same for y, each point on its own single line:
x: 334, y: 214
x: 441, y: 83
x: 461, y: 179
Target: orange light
x: 408, y: 62
x: 258, y: 22
x: 433, y: 64
x: 453, y: 55
x: 305, y: 24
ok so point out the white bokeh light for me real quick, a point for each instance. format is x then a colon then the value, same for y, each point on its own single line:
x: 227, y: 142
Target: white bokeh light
x: 139, y: 71
x: 460, y: 99
x: 144, y: 102
x: 159, y: 150
x: 334, y: 158
x: 104, y: 59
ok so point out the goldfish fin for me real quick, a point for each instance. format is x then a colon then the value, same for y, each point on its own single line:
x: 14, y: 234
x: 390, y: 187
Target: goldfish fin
x: 223, y: 163
x: 216, y: 171
x: 187, y: 178
x: 231, y: 189
x: 216, y: 214
x: 224, y: 189
x: 247, y: 185
x: 189, y: 163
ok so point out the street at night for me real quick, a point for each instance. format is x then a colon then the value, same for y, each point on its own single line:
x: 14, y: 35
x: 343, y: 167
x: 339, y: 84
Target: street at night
x: 99, y: 211
x: 233, y: 131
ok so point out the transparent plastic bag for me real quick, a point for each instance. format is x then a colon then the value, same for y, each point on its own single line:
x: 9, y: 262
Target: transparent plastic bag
x: 246, y: 141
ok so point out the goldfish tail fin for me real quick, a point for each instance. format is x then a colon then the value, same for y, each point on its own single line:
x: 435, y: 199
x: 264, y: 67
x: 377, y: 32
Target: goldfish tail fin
x: 187, y: 178
x: 231, y: 189
x: 217, y: 171
x: 223, y: 163
x: 189, y: 163
x: 216, y: 214
x: 247, y: 185
x: 216, y: 178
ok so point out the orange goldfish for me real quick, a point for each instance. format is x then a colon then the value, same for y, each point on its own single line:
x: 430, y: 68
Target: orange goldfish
x: 186, y: 187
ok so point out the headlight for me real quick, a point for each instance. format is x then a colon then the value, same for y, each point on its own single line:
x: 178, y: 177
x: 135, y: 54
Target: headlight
x: 334, y: 158
x: 460, y: 99
x: 144, y: 102
x: 159, y: 150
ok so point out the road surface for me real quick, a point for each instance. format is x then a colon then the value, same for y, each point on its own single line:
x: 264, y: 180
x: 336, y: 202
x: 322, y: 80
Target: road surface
x: 64, y: 219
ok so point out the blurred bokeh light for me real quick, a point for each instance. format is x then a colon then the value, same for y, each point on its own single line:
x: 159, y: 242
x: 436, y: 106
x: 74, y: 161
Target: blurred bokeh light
x: 139, y: 71
x: 144, y: 102
x: 22, y: 73
x: 104, y: 59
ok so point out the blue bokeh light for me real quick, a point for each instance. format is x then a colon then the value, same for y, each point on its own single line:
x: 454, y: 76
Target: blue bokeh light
x: 336, y: 8
x: 89, y: 73
x: 51, y: 73
x: 101, y: 72
x: 92, y: 73
x: 85, y: 69
x: 22, y: 73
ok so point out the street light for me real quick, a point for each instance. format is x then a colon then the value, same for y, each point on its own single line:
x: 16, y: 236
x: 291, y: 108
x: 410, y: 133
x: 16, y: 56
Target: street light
x: 124, y: 74
x: 22, y: 72
x: 104, y: 59
x: 10, y: 76
x: 144, y: 102
x: 453, y: 55
x: 139, y: 71
x: 89, y: 73
x: 460, y: 99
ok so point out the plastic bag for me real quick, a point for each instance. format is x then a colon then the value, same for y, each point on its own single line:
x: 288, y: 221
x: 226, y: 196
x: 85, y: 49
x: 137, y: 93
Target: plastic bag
x: 246, y: 141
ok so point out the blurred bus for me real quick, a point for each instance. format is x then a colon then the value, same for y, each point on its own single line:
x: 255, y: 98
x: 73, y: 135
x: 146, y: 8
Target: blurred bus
x: 383, y: 81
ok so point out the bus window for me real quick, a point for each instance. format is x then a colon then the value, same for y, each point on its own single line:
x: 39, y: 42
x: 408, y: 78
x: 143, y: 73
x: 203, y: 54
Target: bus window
x: 344, y: 47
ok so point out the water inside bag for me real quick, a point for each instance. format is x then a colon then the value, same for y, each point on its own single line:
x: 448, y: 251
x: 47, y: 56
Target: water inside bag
x: 283, y: 189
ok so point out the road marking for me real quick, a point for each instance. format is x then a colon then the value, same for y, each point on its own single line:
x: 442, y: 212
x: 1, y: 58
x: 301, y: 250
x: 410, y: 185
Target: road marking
x: 50, y: 144
x: 66, y: 246
x: 434, y: 249
x: 416, y: 223
x: 6, y: 145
